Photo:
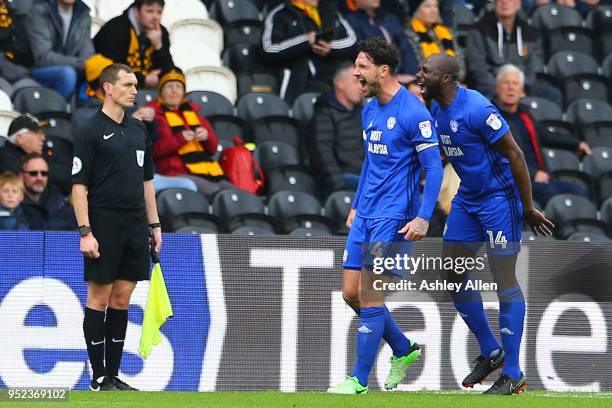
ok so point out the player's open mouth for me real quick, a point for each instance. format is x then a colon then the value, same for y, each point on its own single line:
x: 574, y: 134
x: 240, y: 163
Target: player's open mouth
x: 363, y: 82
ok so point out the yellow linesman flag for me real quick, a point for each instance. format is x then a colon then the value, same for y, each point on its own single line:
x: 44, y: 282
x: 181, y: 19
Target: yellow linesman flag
x: 158, y: 310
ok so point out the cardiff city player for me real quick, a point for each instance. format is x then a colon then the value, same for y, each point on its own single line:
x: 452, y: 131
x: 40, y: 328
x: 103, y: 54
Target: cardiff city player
x: 493, y: 198
x: 400, y: 140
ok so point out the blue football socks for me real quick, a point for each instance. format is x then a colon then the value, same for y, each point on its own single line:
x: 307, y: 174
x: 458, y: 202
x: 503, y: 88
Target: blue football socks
x: 511, y: 319
x: 370, y: 332
x: 394, y: 336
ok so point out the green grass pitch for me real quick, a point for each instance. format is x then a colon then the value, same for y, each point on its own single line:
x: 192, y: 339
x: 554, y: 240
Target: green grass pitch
x: 270, y: 399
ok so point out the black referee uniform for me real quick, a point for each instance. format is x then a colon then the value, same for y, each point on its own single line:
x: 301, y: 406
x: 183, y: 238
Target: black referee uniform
x: 113, y: 160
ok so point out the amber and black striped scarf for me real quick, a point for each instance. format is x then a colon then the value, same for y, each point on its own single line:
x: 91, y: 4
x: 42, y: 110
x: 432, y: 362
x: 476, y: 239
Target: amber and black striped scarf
x: 429, y: 44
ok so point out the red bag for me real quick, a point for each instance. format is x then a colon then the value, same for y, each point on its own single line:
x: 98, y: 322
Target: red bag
x: 239, y: 167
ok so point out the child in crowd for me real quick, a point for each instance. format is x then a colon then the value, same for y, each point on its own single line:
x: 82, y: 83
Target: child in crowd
x: 11, y: 196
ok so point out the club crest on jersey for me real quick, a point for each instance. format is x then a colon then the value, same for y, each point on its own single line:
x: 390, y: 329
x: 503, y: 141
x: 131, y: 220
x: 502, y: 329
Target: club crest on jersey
x: 425, y: 128
x: 493, y: 122
x: 391, y: 122
x: 454, y: 126
x: 140, y: 157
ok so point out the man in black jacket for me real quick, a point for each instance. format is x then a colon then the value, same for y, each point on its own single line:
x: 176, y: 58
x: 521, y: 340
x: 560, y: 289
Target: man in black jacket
x: 337, y: 147
x: 25, y: 136
x: 307, y: 40
x: 44, y: 207
x: 137, y: 39
x: 502, y: 37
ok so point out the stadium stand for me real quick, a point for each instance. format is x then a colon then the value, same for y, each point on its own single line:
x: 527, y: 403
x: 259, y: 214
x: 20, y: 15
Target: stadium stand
x: 192, y: 30
x: 236, y: 208
x: 571, y: 214
x: 217, y: 79
x: 41, y: 102
x: 588, y: 237
x: 303, y: 106
x: 177, y: 10
x: 599, y: 167
x: 252, y: 231
x: 295, y: 209
x: 337, y: 207
x: 5, y: 101
x: 180, y: 207
x: 6, y: 117
x: 275, y: 155
x: 598, y: 134
x: 565, y: 166
x: 109, y: 9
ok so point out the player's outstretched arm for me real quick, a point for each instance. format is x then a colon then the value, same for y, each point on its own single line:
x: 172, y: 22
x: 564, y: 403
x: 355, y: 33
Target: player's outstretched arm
x: 429, y: 157
x: 507, y: 146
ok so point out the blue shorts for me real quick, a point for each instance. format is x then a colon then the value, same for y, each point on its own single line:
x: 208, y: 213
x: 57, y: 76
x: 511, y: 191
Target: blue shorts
x: 371, y: 238
x: 497, y: 222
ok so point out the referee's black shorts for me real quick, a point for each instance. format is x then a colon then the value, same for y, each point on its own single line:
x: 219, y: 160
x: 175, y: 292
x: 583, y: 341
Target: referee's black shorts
x: 123, y: 240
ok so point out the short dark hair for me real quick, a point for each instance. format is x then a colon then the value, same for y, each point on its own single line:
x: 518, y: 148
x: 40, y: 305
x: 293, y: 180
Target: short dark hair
x: 32, y: 156
x: 140, y: 3
x: 380, y: 52
x: 110, y: 74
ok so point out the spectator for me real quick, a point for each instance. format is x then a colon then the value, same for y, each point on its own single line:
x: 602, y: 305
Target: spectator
x: 337, y: 149
x: 25, y: 136
x: 15, y: 54
x: 308, y: 41
x: 510, y: 82
x: 428, y: 35
x: 59, y: 37
x: 186, y: 140
x: 44, y: 207
x: 11, y: 196
x: 502, y: 37
x: 369, y: 20
x: 137, y: 39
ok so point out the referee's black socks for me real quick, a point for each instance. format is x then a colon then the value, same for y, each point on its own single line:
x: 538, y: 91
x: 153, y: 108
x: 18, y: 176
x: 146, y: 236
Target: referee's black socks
x: 115, y: 327
x: 93, y: 329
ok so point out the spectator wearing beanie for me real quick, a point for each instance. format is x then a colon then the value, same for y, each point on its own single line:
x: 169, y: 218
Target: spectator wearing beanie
x: 187, y: 141
x: 428, y: 35
x: 369, y: 20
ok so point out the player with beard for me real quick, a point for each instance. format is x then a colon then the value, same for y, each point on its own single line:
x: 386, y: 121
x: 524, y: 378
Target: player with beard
x: 387, y: 213
x: 493, y: 199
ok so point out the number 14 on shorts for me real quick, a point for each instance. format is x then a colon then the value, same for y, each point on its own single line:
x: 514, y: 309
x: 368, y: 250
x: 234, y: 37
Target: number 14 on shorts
x: 500, y: 239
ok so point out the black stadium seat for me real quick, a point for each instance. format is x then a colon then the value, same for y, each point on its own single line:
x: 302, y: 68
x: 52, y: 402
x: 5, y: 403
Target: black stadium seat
x: 211, y: 103
x: 242, y: 58
x: 588, y: 237
x: 337, y: 207
x: 274, y: 155
x: 605, y: 212
x: 565, y: 166
x: 59, y: 127
x: 231, y: 11
x: 295, y: 209
x: 600, y: 21
x: 590, y: 86
x: 291, y: 178
x: 558, y: 134
x: 189, y: 229
x: 598, y: 134
x: 242, y: 32
x: 583, y: 112
x: 572, y: 213
x: 565, y: 64
x: 59, y: 152
x: 179, y: 207
x: 40, y: 102
x: 252, y: 231
x: 571, y: 39
x: 237, y: 208
x: 256, y: 105
x: 257, y: 82
x: 145, y: 96
x: 303, y: 106
x: 542, y: 109
x: 598, y: 166
x: 269, y: 118
x: 551, y: 16
x: 310, y: 232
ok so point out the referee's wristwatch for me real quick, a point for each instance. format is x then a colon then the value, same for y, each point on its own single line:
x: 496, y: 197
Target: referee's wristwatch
x: 84, y: 230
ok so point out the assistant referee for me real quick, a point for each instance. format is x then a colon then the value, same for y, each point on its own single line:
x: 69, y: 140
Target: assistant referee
x: 115, y: 207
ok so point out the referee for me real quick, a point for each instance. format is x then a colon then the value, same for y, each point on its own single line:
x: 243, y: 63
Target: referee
x: 115, y: 207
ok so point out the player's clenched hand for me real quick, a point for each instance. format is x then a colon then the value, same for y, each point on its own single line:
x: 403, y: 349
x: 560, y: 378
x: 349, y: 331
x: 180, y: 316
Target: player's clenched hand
x: 89, y: 246
x: 415, y: 230
x: 539, y: 224
x: 351, y: 217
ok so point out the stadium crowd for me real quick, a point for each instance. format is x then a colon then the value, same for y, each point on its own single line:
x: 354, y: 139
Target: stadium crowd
x: 246, y: 100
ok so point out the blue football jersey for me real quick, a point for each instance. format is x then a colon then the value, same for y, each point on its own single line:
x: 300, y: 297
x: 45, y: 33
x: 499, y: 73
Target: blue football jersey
x: 393, y: 134
x: 467, y: 129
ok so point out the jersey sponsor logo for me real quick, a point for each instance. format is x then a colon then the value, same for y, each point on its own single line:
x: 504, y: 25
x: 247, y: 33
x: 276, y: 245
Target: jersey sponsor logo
x: 376, y: 135
x: 106, y: 137
x: 140, y: 157
x: 378, y: 148
x: 424, y: 146
x: 493, y: 122
x: 450, y: 151
x: 454, y: 125
x: 77, y: 165
x: 425, y: 128
x: 446, y: 139
x: 391, y: 122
